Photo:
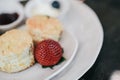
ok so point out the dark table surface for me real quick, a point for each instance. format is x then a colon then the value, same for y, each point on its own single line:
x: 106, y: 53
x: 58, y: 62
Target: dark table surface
x: 108, y: 60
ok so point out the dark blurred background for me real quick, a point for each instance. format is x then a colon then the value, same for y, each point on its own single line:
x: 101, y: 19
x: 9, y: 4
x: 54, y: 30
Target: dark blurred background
x: 108, y: 60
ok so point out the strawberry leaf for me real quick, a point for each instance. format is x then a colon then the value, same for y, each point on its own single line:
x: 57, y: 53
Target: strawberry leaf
x: 61, y: 60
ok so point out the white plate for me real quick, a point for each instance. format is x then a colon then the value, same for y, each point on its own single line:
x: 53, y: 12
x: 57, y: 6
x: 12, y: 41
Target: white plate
x: 69, y: 44
x: 84, y: 23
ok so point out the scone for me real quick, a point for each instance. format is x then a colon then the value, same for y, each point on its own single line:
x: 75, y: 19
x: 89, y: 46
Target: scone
x: 16, y: 51
x: 44, y: 27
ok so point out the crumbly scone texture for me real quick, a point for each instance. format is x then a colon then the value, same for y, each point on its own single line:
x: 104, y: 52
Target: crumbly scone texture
x: 16, y: 51
x: 44, y: 27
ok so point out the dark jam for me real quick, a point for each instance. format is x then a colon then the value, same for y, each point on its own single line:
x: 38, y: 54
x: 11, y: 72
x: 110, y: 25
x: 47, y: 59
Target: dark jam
x: 7, y: 18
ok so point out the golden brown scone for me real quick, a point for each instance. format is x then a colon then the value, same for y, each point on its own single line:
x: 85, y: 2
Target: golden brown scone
x: 16, y: 51
x: 44, y: 27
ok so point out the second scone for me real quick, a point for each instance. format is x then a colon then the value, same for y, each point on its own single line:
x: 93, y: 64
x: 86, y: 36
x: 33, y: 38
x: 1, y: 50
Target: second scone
x: 44, y: 27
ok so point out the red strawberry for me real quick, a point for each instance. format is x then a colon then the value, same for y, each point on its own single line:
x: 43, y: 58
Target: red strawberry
x: 48, y: 52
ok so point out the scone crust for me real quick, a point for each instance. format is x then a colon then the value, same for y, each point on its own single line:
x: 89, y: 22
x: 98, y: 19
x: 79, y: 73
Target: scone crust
x: 44, y: 27
x: 16, y: 51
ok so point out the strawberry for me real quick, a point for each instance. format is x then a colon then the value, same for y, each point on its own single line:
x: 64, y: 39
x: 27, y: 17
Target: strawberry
x: 48, y: 52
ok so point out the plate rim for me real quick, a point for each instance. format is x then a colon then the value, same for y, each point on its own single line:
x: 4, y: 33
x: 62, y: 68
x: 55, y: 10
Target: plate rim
x: 79, y: 3
x: 102, y: 39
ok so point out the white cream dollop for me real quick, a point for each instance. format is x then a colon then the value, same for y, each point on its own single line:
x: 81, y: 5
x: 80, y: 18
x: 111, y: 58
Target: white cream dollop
x: 45, y: 9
